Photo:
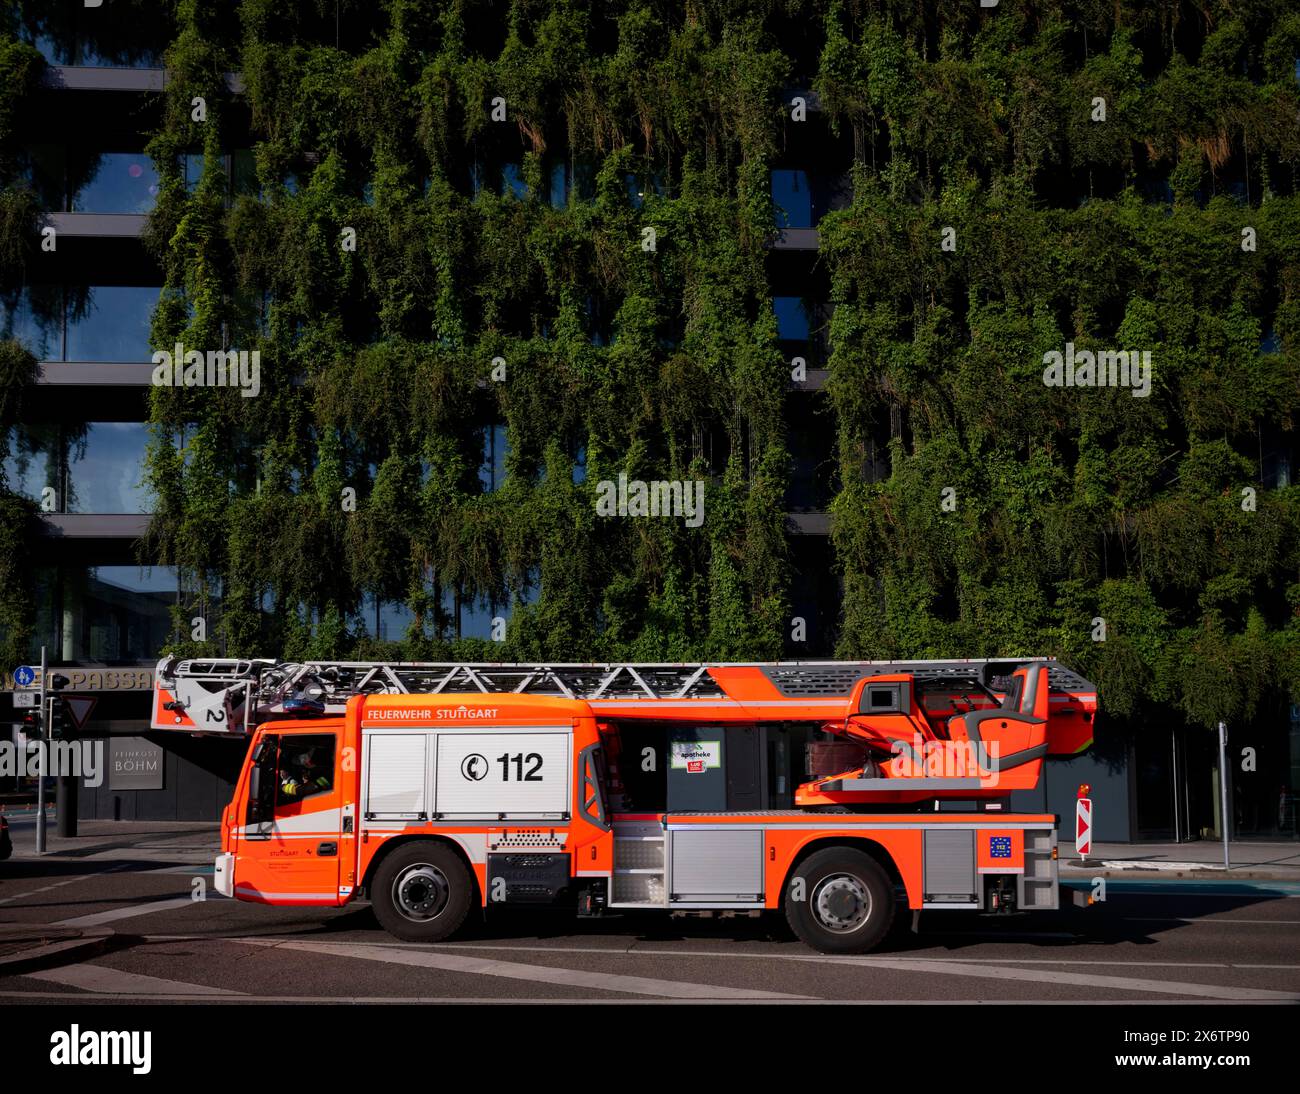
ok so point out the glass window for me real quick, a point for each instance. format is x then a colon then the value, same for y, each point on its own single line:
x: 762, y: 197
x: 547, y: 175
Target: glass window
x: 31, y: 461
x: 115, y: 613
x: 386, y: 620
x: 192, y: 169
x: 512, y: 182
x: 791, y: 319
x: 105, y: 469
x: 80, y: 35
x: 42, y: 167
x: 476, y: 618
x: 34, y: 318
x: 492, y: 469
x: 792, y: 198
x: 115, y: 326
x: 639, y: 188
x: 559, y: 186
x: 394, y: 619
x: 122, y: 182
x: 243, y: 172
x: 305, y: 767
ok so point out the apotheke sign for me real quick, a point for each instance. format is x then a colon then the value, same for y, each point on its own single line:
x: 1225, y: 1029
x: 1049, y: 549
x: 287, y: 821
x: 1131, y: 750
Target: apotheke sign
x: 696, y: 757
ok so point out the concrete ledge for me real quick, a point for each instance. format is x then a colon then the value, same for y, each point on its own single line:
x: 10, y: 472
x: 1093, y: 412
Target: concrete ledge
x: 796, y: 239
x: 84, y: 78
x: 96, y: 525
x: 96, y: 373
x: 809, y: 524
x: 816, y: 380
x: 79, y: 78
x: 97, y: 225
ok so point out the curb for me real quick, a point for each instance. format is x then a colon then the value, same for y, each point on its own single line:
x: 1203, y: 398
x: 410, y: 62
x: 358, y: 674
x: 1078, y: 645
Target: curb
x: 64, y: 952
x: 1226, y: 877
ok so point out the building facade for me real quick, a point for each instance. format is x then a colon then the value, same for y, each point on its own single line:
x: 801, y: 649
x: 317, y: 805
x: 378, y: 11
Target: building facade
x: 489, y: 257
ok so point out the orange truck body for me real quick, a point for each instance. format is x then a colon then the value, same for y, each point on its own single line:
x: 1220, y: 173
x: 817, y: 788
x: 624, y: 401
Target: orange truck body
x: 518, y: 789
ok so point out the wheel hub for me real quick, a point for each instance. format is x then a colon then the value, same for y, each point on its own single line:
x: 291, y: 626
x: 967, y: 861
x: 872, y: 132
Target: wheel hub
x: 842, y: 903
x: 420, y: 892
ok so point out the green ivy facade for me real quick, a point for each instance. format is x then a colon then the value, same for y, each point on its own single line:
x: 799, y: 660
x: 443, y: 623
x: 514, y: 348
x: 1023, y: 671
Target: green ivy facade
x: 1066, y: 506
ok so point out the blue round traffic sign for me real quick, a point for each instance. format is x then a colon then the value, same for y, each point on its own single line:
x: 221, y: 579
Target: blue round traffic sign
x: 24, y: 676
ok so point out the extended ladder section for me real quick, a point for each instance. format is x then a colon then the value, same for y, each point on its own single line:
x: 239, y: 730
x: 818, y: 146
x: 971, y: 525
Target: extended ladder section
x: 233, y: 695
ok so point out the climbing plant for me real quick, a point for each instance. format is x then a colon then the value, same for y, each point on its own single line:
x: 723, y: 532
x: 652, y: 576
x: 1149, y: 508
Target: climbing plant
x: 353, y: 476
x: 1131, y: 535
x: 553, y: 218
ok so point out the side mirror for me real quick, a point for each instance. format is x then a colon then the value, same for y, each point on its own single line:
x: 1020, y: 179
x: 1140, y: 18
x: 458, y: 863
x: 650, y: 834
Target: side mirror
x: 255, y: 796
x: 261, y: 782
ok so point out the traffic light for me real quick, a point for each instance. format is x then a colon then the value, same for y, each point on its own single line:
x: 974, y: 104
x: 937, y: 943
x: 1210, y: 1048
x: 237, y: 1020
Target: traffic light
x: 32, y: 725
x: 61, y: 727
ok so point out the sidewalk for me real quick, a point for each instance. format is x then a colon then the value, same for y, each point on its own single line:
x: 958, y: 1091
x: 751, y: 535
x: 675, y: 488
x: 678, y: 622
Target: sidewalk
x: 1200, y: 859
x: 168, y: 841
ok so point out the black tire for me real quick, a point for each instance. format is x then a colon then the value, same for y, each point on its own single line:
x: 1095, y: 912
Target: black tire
x: 846, y: 901
x: 422, y: 892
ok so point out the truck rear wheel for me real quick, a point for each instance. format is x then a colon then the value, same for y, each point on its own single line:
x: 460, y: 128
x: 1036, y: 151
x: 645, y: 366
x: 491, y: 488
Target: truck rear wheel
x: 422, y: 892
x: 840, y: 901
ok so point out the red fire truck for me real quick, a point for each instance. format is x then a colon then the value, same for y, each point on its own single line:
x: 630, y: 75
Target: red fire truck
x: 835, y: 792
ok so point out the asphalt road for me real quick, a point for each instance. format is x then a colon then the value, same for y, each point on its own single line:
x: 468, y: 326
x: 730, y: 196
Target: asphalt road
x: 1183, y: 942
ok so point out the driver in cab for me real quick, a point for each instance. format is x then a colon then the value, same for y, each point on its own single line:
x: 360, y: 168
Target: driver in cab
x: 304, y: 776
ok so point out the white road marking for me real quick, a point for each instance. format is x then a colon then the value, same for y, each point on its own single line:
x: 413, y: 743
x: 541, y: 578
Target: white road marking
x: 482, y: 966
x: 977, y: 967
x: 1073, y: 979
x: 1260, y: 888
x: 1212, y: 922
x: 804, y: 957
x: 106, y: 981
x: 58, y: 885
x: 129, y: 912
x: 549, y: 1001
x: 1155, y: 864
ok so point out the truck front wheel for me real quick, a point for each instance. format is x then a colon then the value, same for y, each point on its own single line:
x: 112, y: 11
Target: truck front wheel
x: 422, y: 892
x: 840, y: 901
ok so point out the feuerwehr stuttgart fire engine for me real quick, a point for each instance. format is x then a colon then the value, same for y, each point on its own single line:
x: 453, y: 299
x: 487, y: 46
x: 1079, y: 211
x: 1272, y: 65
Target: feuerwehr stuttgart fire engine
x: 834, y: 792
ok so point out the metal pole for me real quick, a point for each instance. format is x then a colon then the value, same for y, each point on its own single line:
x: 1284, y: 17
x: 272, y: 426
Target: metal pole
x: 1173, y: 780
x: 1223, y: 789
x: 65, y: 794
x: 40, y: 779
